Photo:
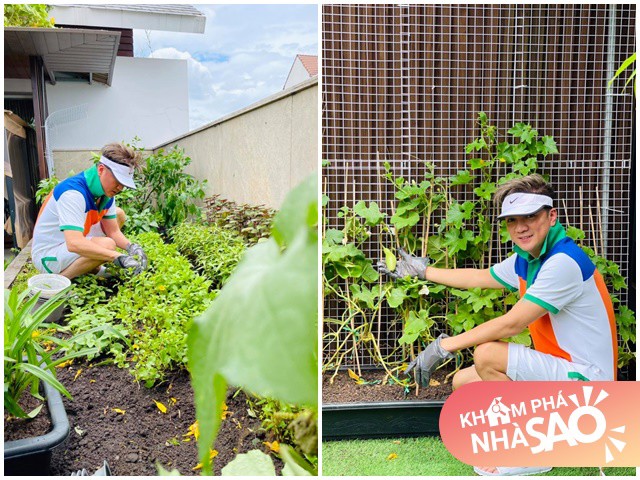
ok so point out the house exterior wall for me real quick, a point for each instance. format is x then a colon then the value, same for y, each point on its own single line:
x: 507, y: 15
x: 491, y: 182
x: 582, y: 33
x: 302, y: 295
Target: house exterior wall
x: 258, y: 154
x: 255, y: 155
x: 148, y: 98
x: 297, y: 74
x: 70, y: 162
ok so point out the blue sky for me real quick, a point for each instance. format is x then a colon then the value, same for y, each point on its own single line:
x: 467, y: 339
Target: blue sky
x: 244, y: 55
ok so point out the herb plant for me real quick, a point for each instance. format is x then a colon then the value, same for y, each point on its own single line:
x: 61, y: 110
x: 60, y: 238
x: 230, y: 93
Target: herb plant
x: 252, y: 222
x: 150, y: 314
x: 213, y: 250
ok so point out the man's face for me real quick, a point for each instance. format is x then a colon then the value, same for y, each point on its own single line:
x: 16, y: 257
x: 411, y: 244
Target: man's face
x: 529, y: 231
x: 110, y: 185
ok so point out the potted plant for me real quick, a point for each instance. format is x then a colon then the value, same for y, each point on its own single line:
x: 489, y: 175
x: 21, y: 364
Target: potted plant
x: 31, y: 354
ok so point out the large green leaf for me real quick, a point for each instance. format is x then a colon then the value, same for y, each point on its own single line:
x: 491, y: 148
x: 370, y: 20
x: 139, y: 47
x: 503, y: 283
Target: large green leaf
x: 260, y: 333
x: 299, y: 208
x: 252, y: 463
x: 371, y: 214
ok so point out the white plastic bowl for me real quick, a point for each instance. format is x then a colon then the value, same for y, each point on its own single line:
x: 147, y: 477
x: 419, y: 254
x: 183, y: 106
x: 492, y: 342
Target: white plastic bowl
x: 48, y: 284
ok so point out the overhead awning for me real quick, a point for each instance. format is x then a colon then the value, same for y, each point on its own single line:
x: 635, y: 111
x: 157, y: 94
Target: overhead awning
x: 66, y: 50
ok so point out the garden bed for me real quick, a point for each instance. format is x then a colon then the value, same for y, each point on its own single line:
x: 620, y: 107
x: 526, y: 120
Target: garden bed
x: 345, y: 389
x: 114, y: 419
x: 19, y: 428
x: 376, y: 409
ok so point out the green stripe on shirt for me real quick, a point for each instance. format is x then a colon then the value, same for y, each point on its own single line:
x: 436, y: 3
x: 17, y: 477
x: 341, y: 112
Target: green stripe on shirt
x: 109, y: 217
x: 502, y: 282
x: 542, y: 303
x: 71, y: 227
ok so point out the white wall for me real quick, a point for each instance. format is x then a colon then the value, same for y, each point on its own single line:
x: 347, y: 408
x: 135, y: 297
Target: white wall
x: 297, y: 74
x: 258, y: 154
x: 148, y: 97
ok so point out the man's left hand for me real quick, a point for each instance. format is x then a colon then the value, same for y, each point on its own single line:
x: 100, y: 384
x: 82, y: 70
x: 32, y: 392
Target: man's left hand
x: 135, y: 249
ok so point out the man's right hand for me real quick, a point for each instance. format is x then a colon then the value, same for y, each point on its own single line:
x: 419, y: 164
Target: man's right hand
x: 129, y: 262
x: 409, y: 265
x: 428, y: 360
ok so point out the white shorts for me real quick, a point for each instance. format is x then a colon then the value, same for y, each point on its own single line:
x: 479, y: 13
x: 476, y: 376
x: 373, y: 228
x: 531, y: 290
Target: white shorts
x: 57, y: 258
x: 526, y: 364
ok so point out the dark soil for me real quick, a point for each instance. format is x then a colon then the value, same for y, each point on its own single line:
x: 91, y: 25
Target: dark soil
x: 134, y: 441
x: 19, y: 428
x: 345, y: 389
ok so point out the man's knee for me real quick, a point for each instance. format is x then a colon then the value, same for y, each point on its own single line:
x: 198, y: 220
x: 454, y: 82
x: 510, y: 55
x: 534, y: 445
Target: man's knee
x: 464, y: 376
x: 105, y: 242
x: 482, y: 354
x: 121, y: 217
x: 490, y: 357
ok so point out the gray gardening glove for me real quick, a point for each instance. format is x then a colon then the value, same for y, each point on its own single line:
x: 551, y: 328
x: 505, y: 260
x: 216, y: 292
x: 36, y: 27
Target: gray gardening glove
x: 127, y: 261
x: 428, y: 360
x: 135, y: 249
x: 408, y: 265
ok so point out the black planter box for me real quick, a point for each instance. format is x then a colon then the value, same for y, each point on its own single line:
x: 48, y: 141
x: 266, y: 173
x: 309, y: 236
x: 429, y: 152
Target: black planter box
x: 380, y: 420
x: 32, y: 456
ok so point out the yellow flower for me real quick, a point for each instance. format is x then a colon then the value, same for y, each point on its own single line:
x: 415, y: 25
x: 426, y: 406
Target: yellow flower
x: 162, y: 288
x: 35, y: 334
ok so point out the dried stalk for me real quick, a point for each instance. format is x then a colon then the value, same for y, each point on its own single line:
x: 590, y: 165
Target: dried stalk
x: 593, y: 232
x: 601, y: 230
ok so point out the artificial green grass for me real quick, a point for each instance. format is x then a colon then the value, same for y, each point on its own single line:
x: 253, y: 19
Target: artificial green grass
x: 425, y: 456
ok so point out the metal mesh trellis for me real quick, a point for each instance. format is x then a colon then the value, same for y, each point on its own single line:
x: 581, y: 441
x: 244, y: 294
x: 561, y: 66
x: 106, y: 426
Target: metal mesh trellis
x: 404, y: 84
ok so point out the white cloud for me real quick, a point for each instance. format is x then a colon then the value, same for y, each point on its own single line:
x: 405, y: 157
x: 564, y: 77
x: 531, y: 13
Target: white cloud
x: 244, y: 55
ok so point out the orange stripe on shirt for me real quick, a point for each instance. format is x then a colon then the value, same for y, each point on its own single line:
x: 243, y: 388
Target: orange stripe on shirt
x: 46, y: 199
x: 542, y: 334
x: 93, y: 217
x: 606, y: 300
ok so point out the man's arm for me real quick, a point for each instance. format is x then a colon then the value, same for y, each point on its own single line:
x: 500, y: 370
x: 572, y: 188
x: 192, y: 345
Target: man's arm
x: 462, y: 277
x: 511, y: 323
x: 112, y: 230
x: 78, y: 243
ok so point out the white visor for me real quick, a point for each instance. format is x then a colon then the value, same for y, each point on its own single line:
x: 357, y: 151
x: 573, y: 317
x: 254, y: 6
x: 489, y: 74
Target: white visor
x: 518, y: 204
x: 123, y: 173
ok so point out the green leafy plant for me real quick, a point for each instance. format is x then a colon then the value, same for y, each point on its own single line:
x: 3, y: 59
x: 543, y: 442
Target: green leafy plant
x: 31, y: 351
x: 626, y: 65
x: 252, y: 222
x: 45, y: 187
x: 172, y: 194
x: 27, y: 15
x: 429, y: 220
x: 165, y: 195
x: 267, y: 308
x: 150, y: 314
x: 213, y: 250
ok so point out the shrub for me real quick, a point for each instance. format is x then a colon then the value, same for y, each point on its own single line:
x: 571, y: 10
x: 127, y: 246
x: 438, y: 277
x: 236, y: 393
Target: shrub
x: 214, y: 250
x: 252, y: 222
